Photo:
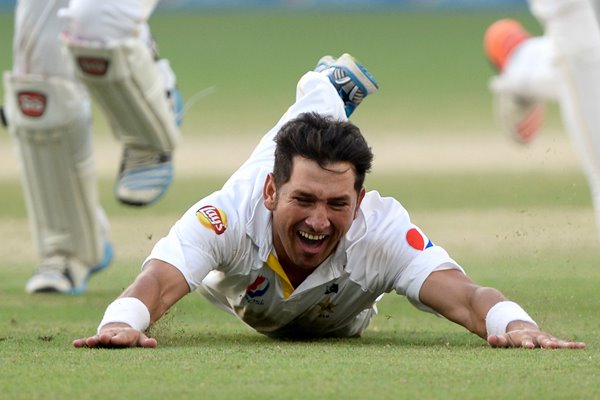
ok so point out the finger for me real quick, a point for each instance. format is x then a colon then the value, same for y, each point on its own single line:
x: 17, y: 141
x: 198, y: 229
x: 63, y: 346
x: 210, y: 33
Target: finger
x: 132, y: 338
x: 105, y: 339
x: 551, y: 342
x: 92, y: 341
x: 564, y: 344
x: 78, y: 343
x: 554, y: 343
x: 147, y: 342
x: 527, y: 342
x: 497, y: 341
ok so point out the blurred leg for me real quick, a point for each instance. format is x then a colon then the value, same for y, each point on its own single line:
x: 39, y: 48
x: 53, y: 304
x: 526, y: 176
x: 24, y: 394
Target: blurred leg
x: 49, y: 119
x: 115, y: 57
x: 573, y: 28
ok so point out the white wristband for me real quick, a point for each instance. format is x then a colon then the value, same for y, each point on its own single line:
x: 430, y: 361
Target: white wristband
x: 128, y: 310
x: 503, y: 313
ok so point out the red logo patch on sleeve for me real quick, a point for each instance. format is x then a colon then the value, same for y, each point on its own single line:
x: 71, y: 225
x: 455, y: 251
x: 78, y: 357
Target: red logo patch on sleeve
x: 415, y: 239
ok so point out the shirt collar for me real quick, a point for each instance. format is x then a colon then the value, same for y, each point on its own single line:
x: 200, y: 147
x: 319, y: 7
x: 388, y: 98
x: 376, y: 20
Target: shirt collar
x: 258, y: 228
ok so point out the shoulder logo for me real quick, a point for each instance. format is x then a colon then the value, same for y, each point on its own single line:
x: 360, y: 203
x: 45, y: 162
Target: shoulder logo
x: 213, y: 218
x: 417, y: 240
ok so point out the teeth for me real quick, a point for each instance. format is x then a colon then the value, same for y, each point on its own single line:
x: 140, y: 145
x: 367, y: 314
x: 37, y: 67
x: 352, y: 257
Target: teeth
x: 311, y: 236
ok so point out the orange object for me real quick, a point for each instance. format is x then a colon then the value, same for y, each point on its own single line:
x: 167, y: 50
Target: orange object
x: 501, y: 39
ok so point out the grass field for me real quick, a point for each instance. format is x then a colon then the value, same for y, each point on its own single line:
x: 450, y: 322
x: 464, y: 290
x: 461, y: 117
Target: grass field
x: 519, y: 219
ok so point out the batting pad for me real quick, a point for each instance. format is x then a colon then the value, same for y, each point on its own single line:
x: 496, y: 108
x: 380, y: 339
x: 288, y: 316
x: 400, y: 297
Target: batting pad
x: 125, y: 80
x: 49, y: 119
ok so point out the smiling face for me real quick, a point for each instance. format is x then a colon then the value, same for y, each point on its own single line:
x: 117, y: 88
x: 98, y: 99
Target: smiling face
x: 312, y: 211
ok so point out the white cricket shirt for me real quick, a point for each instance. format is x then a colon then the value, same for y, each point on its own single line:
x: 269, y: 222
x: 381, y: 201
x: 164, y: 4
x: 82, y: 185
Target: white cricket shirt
x: 223, y: 247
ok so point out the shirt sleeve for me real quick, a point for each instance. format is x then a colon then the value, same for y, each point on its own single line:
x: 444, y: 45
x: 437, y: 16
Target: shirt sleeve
x: 199, y: 241
x: 403, y: 253
x: 414, y: 275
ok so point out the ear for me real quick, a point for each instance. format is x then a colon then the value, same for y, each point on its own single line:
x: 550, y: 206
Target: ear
x: 361, y: 196
x: 270, y: 193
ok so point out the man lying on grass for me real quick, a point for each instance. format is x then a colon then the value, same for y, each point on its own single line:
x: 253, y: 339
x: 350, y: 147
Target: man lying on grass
x: 295, y: 247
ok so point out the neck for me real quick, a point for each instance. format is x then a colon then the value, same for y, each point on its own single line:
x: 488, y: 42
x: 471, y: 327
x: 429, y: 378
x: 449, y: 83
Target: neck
x: 296, y: 275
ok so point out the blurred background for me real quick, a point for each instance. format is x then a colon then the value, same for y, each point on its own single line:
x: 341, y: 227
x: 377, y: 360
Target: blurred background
x: 241, y: 59
x: 431, y: 125
x: 516, y: 217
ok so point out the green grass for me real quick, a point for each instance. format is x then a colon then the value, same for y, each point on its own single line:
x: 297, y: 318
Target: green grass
x: 532, y: 234
x: 204, y: 351
x: 430, y: 66
x: 409, y: 54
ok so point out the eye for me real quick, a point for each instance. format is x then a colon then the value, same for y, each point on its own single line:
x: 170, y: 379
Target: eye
x: 338, y: 204
x: 303, y: 201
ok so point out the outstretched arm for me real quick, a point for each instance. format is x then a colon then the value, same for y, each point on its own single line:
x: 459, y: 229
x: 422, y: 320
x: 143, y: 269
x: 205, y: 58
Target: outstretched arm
x: 456, y: 297
x: 157, y: 288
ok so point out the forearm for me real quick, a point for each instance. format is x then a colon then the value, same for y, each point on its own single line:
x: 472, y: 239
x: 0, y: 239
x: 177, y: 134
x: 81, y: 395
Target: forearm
x: 152, y: 293
x: 456, y: 297
x: 480, y: 301
x: 148, y: 289
x: 486, y: 312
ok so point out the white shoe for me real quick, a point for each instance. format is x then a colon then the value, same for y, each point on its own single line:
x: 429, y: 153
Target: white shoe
x: 145, y: 175
x: 351, y: 80
x: 64, y: 274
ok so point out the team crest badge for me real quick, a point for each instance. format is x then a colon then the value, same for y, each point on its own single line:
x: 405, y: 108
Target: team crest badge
x: 326, y: 308
x: 212, y: 218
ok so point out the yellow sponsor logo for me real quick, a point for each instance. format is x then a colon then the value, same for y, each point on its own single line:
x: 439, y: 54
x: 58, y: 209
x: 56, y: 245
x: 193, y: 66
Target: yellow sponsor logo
x: 213, y: 218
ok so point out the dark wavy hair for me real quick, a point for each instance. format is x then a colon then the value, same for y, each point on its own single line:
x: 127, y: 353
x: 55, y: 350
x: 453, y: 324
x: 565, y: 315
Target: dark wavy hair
x: 324, y: 140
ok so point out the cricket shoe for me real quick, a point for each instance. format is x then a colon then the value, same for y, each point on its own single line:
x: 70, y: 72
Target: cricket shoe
x: 351, y: 80
x: 520, y: 116
x: 64, y: 274
x: 145, y: 173
x: 144, y: 176
x: 324, y: 63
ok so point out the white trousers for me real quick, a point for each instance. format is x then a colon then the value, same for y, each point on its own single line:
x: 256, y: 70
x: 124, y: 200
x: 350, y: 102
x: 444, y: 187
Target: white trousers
x: 564, y: 65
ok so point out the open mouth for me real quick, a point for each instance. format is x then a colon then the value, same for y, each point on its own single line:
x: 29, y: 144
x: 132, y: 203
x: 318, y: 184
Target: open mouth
x: 311, y: 239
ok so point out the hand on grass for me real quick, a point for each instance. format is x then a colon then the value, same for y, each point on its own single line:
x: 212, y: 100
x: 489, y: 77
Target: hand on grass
x: 531, y: 338
x: 117, y: 335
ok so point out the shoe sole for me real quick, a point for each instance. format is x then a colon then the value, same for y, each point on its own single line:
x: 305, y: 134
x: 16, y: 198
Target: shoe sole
x: 359, y: 74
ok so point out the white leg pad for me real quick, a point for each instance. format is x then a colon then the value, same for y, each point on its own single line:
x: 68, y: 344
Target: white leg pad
x: 574, y: 29
x: 49, y: 120
x: 126, y: 81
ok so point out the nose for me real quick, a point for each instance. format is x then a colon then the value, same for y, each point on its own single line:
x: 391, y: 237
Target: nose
x: 318, y: 220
